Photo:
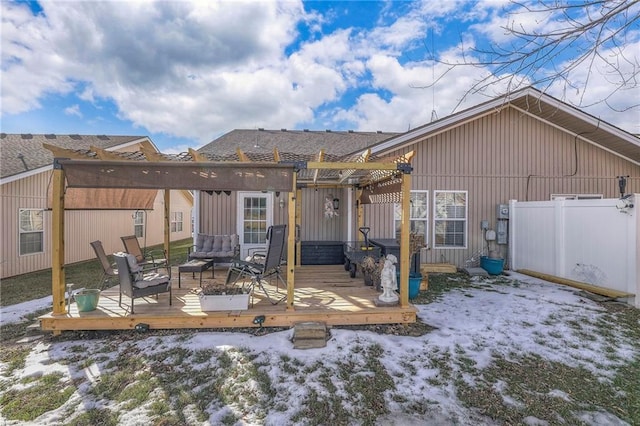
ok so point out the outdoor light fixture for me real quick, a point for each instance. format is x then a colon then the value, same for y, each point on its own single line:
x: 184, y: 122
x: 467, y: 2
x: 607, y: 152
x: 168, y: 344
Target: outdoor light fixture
x: 142, y: 327
x: 336, y: 203
x: 622, y: 184
x: 259, y: 320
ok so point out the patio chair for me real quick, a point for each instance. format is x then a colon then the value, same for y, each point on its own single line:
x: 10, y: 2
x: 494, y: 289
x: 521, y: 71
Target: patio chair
x: 261, y: 267
x: 148, y: 259
x: 108, y: 268
x: 135, y: 283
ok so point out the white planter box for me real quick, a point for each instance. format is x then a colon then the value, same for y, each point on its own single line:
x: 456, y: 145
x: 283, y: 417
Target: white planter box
x: 224, y: 302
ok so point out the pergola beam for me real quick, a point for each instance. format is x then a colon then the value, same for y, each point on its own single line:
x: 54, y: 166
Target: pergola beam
x: 364, y: 157
x: 105, y: 155
x: 316, y: 171
x: 196, y: 156
x: 63, y: 152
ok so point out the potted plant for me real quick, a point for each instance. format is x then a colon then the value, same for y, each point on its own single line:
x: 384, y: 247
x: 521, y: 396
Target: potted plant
x: 372, y: 270
x: 217, y: 297
x: 416, y: 242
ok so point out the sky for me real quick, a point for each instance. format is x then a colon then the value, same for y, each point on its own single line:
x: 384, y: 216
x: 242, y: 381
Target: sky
x: 514, y: 318
x: 184, y: 73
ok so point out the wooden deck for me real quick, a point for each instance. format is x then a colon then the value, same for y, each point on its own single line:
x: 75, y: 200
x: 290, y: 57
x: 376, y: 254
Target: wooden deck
x: 322, y: 293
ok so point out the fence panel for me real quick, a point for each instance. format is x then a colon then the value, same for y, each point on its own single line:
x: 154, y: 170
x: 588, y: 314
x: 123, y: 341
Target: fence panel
x: 592, y: 241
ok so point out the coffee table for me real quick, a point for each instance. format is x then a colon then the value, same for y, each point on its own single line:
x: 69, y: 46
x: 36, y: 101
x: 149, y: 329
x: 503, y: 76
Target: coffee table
x: 193, y: 266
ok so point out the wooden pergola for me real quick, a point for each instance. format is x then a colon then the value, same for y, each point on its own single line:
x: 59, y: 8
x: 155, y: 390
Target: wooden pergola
x: 375, y: 180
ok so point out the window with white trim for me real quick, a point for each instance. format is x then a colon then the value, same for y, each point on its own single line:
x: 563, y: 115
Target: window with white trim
x: 450, y: 219
x: 176, y: 222
x: 418, y: 214
x: 138, y: 223
x: 31, y: 230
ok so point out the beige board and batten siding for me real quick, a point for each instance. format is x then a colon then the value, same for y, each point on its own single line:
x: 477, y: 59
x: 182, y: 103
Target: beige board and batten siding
x: 81, y: 226
x: 26, y: 193
x: 218, y: 214
x: 499, y: 157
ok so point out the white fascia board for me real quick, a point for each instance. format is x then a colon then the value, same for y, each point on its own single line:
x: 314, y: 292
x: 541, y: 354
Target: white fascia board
x: 26, y: 174
x: 134, y: 142
x: 495, y: 106
x: 446, y: 123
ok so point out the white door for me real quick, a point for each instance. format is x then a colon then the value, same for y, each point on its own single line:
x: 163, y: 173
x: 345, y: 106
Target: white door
x: 255, y: 213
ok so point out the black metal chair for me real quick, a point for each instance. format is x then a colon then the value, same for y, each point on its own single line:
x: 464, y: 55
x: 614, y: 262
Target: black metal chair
x: 149, y: 258
x: 108, y: 268
x: 136, y: 283
x: 263, y: 266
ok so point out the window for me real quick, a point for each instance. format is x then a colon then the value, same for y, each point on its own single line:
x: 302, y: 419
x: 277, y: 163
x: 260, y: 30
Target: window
x: 176, y: 222
x: 138, y: 223
x: 418, y: 214
x: 450, y: 219
x: 576, y: 196
x: 255, y: 220
x: 31, y: 230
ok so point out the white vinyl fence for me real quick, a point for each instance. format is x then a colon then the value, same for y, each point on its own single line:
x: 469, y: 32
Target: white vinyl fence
x: 592, y: 241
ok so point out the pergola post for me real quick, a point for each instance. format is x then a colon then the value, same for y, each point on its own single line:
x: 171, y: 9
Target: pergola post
x: 167, y: 226
x: 359, y: 215
x: 57, y: 240
x: 298, y: 205
x: 404, y: 240
x: 291, y: 243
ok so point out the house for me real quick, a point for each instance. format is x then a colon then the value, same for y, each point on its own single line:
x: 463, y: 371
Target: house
x: 235, y: 212
x: 524, y: 146
x: 25, y: 186
x: 446, y: 180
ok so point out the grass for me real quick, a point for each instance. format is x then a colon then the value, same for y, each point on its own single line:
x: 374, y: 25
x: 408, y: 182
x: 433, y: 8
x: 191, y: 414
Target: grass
x: 35, y: 285
x: 175, y: 385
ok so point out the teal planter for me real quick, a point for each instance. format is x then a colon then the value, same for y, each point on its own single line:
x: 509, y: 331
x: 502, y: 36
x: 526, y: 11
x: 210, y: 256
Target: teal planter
x: 87, y: 300
x: 414, y: 284
x: 492, y: 266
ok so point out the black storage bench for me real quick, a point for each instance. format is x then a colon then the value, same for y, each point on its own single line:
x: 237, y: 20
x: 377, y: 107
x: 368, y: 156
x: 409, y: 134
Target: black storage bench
x: 322, y: 253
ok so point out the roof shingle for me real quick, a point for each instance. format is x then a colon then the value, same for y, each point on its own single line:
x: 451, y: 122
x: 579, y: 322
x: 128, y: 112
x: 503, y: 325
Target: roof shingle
x: 20, y: 153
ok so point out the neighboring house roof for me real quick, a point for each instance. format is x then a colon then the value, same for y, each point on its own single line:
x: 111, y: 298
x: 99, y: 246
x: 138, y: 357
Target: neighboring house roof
x: 303, y: 142
x: 22, y: 154
x: 534, y: 103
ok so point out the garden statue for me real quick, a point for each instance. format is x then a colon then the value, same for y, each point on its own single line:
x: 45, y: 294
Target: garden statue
x: 388, y: 280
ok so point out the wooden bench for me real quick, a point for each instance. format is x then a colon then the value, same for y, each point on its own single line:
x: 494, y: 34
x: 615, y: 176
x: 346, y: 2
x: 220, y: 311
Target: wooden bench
x: 441, y: 268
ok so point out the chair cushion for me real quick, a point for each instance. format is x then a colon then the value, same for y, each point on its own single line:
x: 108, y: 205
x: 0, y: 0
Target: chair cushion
x: 199, y: 255
x: 131, y: 260
x: 151, y: 279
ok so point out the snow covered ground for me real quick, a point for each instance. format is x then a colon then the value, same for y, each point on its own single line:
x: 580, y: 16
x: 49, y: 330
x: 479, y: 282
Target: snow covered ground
x: 475, y: 326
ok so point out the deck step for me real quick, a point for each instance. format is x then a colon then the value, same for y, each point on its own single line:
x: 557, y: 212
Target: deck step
x: 310, y: 334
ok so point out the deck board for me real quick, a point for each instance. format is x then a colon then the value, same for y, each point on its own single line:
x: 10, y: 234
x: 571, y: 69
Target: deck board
x: 322, y: 293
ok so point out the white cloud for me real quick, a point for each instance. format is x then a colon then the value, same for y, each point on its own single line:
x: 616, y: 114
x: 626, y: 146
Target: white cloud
x: 197, y: 69
x: 73, y: 110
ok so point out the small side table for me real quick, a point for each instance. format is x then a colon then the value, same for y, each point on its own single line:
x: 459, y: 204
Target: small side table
x: 193, y: 266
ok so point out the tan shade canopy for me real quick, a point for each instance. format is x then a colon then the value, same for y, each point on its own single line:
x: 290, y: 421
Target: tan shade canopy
x: 178, y: 175
x: 106, y: 199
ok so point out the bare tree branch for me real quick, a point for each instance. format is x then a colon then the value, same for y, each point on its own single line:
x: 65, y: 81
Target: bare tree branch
x: 570, y: 44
